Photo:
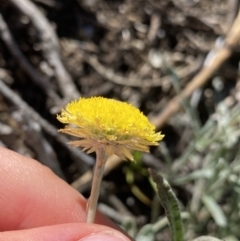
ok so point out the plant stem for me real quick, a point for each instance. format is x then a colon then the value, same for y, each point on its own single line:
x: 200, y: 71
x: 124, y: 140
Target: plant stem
x: 101, y: 159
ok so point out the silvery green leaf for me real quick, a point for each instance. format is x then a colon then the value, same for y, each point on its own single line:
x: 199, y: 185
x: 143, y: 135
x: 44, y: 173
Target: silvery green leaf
x: 215, y: 210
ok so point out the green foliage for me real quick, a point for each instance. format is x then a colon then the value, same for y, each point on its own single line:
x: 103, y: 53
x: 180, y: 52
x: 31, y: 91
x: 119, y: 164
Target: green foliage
x: 170, y: 204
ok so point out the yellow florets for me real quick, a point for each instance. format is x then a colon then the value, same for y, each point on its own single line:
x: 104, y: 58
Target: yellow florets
x: 116, y: 126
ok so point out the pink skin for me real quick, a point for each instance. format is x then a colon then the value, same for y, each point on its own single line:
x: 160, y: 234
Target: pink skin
x: 36, y: 205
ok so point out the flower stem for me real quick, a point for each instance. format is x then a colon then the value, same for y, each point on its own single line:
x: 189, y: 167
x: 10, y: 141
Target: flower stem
x: 101, y: 159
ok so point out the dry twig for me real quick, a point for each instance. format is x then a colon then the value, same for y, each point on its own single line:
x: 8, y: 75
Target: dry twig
x: 80, y: 158
x: 23, y: 62
x: 220, y: 56
x: 49, y: 46
x: 39, y: 143
x: 109, y: 74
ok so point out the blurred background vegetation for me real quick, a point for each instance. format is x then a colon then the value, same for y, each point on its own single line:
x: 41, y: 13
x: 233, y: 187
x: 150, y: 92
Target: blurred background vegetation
x: 176, y: 60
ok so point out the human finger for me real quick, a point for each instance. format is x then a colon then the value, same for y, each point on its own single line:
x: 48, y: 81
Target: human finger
x: 65, y: 232
x: 31, y: 195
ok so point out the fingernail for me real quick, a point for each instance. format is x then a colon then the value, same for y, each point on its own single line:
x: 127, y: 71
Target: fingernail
x: 101, y: 237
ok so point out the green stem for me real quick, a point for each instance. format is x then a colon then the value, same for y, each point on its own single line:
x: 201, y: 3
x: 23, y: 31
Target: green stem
x: 101, y: 159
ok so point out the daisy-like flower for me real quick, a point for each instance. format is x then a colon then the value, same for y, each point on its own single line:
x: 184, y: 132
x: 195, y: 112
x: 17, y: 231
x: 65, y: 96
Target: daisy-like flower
x: 107, y: 127
x: 115, y: 126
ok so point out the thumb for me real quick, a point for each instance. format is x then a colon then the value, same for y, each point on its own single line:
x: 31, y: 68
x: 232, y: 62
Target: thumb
x: 65, y: 232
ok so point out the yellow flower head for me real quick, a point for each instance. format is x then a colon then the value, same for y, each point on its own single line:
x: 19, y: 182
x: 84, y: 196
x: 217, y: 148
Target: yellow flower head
x: 115, y: 126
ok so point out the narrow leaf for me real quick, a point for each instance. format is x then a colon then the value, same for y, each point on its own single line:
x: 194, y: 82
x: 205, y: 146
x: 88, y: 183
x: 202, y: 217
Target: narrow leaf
x: 146, y: 233
x: 215, y: 211
x: 170, y: 204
